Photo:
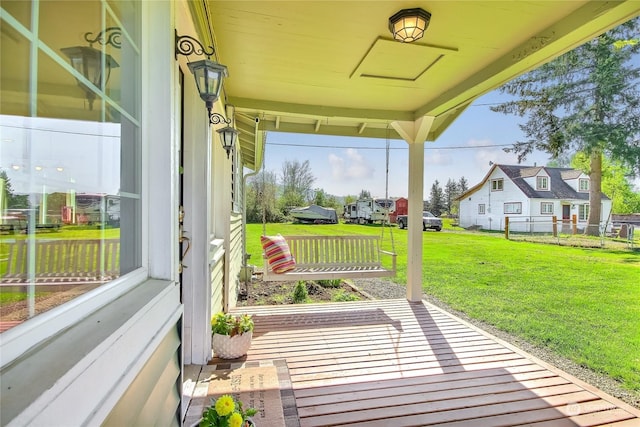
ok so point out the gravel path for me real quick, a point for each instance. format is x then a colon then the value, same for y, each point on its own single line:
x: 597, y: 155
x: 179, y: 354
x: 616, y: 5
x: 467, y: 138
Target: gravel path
x: 384, y: 289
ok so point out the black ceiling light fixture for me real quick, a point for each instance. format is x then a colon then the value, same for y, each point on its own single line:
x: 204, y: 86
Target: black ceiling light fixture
x: 409, y: 25
x: 92, y: 63
x: 209, y: 76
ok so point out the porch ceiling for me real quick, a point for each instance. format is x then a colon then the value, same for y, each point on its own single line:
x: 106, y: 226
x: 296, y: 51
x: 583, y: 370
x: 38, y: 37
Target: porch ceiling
x: 332, y: 67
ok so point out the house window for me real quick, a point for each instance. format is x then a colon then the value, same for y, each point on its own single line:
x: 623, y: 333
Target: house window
x: 542, y: 183
x: 513, y: 208
x: 73, y: 153
x: 583, y: 212
x: 497, y: 184
x: 583, y: 184
x: 481, y: 209
x: 546, y: 208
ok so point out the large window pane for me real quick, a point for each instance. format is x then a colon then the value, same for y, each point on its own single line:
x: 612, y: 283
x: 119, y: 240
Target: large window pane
x: 14, y: 79
x: 70, y: 197
x: 19, y: 10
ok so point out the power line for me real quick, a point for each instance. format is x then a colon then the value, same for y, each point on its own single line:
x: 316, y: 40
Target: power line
x: 383, y: 148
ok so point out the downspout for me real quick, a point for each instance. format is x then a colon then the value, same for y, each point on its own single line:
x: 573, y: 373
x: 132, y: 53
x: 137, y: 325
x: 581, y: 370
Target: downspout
x: 246, y: 271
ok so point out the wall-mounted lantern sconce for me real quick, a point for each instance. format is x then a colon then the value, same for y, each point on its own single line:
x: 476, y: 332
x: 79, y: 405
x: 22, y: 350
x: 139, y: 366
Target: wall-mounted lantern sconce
x: 228, y: 135
x: 88, y: 61
x: 409, y: 25
x: 209, y: 76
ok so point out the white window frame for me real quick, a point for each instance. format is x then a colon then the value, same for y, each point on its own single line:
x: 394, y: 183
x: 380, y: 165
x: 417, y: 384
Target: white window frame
x: 513, y: 208
x: 123, y: 342
x: 482, y: 209
x: 583, y: 212
x: 583, y: 188
x: 542, y: 183
x: 497, y: 184
x: 546, y: 208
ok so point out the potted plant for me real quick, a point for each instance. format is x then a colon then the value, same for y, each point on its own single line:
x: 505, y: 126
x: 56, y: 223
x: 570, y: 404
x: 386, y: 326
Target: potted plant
x: 231, y: 335
x: 227, y: 411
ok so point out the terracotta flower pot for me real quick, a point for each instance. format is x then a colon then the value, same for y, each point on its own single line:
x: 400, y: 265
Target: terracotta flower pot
x: 231, y: 347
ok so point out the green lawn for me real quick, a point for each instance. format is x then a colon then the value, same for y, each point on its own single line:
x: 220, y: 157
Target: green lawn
x: 582, y: 303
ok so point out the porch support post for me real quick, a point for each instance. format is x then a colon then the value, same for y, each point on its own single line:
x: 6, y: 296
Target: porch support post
x: 414, y: 210
x: 415, y: 134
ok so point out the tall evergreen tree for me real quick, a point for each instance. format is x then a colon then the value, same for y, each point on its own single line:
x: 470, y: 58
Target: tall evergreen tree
x: 436, y: 199
x: 614, y: 183
x: 10, y: 199
x: 450, y: 193
x: 463, y: 185
x: 364, y: 194
x: 586, y: 100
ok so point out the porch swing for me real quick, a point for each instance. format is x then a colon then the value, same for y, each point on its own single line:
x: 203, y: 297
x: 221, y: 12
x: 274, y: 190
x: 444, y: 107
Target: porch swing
x: 292, y: 258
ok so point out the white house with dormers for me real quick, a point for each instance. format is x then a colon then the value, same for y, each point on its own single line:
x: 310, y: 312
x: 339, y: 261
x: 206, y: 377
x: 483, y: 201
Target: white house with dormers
x: 530, y: 197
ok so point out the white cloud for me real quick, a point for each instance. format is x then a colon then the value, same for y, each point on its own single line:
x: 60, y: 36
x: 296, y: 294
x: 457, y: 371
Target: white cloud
x: 337, y: 166
x: 355, y: 166
x: 484, y: 156
x: 437, y: 157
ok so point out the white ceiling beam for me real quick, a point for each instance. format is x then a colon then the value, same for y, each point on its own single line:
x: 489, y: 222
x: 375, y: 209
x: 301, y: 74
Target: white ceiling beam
x: 315, y: 111
x: 414, y: 131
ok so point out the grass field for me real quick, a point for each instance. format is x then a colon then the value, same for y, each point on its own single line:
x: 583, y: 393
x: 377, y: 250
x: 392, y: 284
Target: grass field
x: 583, y: 304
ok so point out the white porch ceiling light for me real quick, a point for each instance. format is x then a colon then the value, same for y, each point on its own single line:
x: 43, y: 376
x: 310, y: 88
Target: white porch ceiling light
x: 409, y: 25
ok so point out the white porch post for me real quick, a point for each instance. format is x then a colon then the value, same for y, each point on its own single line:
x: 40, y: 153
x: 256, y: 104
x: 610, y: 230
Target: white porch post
x: 415, y: 133
x: 414, y: 239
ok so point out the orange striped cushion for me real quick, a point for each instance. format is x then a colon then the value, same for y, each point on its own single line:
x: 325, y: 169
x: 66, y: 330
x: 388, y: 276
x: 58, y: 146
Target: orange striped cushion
x: 278, y: 254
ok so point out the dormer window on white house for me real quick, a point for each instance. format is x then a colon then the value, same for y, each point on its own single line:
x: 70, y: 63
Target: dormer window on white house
x: 542, y: 183
x: 583, y: 184
x: 497, y: 184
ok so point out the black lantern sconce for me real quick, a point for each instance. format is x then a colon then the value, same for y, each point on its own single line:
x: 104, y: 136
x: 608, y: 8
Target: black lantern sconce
x: 209, y: 76
x: 88, y: 61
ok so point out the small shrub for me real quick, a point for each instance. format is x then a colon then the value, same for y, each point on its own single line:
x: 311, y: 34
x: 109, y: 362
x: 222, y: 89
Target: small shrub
x: 331, y: 283
x: 342, y: 296
x: 300, y: 293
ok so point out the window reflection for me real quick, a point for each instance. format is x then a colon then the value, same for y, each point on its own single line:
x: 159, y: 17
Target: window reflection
x: 69, y: 158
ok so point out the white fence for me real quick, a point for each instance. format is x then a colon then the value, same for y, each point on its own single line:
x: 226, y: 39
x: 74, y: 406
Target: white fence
x: 571, y: 233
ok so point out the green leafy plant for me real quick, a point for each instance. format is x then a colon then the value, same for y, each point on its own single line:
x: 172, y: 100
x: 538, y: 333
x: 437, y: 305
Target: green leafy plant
x: 300, y: 293
x: 228, y: 324
x: 226, y: 411
x: 330, y: 283
x: 342, y: 296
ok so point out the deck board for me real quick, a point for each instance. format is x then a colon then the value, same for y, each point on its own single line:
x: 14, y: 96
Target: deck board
x: 392, y: 362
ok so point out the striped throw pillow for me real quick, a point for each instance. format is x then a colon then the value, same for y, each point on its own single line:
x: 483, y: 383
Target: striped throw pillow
x: 278, y: 254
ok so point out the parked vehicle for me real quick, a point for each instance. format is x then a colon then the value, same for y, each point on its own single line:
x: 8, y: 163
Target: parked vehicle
x: 94, y: 209
x: 429, y: 221
x: 314, y: 214
x: 367, y: 211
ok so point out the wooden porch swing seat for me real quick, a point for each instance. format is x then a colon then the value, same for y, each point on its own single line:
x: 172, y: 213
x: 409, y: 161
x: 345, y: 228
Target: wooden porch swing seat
x: 333, y: 257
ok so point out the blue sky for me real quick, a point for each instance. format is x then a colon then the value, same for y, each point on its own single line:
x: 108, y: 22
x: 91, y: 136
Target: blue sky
x: 464, y: 149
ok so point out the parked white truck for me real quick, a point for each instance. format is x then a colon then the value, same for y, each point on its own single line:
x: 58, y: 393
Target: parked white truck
x: 429, y: 221
x: 367, y: 211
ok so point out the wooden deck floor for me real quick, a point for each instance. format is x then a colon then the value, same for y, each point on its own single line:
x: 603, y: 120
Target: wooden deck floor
x: 395, y: 363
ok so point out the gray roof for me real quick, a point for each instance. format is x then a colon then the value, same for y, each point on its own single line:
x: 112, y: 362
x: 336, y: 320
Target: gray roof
x: 558, y: 188
x: 571, y: 174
